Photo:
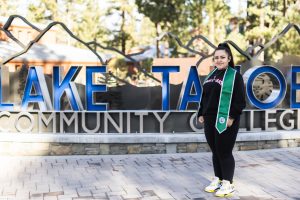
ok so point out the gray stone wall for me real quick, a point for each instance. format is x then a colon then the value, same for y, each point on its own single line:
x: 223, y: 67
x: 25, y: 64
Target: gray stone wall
x: 48, y: 148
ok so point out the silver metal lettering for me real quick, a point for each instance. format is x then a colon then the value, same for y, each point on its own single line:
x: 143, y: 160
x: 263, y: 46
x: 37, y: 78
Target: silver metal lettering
x: 267, y: 120
x: 107, y: 118
x: 252, y: 122
x: 83, y: 122
x: 64, y: 118
x: 31, y: 122
x: 161, y: 120
x: 292, y: 124
x: 6, y: 114
x: 128, y: 122
x: 192, y: 125
x: 141, y: 114
x: 46, y: 121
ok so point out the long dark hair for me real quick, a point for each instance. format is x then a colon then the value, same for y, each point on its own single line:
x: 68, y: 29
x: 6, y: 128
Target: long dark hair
x: 224, y: 46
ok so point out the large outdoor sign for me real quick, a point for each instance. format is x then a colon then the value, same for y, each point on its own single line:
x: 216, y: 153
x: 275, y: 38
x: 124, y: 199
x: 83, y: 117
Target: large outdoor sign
x: 95, y: 117
x: 88, y: 114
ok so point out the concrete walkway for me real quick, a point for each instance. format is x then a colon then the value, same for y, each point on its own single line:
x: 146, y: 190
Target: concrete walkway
x: 261, y: 174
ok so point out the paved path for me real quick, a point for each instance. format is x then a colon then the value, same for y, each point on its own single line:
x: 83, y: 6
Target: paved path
x: 262, y: 174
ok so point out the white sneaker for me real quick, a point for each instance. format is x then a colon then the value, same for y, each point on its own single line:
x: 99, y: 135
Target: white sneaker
x: 214, y: 185
x: 226, y: 190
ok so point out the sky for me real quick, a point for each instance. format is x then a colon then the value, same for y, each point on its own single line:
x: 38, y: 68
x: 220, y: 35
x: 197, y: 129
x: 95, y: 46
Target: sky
x: 238, y: 5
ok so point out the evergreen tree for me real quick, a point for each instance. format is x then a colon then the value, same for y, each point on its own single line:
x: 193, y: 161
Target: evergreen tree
x: 89, y: 22
x: 291, y: 41
x: 217, y: 14
x: 83, y: 18
x: 162, y: 13
x: 43, y: 10
x: 126, y: 25
x: 8, y: 8
x: 266, y: 19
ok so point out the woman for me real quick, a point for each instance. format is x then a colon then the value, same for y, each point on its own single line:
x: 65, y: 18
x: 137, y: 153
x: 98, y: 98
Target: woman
x: 222, y: 102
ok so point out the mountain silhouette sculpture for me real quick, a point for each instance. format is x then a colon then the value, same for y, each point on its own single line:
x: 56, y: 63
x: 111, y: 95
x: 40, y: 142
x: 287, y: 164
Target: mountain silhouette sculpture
x: 90, y: 45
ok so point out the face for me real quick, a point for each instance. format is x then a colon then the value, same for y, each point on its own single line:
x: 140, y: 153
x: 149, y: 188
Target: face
x: 221, y: 59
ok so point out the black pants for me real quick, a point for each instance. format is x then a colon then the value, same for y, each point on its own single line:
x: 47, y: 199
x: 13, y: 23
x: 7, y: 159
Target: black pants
x: 221, y: 146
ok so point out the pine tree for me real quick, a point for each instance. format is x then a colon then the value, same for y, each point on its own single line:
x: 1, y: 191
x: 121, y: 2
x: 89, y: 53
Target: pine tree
x: 121, y: 36
x: 88, y: 25
x: 43, y: 11
x: 83, y: 18
x: 8, y: 8
x: 162, y: 13
x: 268, y: 18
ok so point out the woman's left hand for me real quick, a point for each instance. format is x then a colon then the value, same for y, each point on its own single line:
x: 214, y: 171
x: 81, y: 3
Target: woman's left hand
x: 230, y: 122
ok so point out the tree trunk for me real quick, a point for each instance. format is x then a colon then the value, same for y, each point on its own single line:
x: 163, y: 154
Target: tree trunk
x: 284, y: 7
x: 262, y: 26
x: 95, y: 46
x: 157, y: 41
x: 123, y: 36
x: 212, y: 24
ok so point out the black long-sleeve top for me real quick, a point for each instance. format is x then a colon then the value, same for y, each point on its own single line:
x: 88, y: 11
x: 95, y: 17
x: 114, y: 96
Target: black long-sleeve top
x: 211, y: 95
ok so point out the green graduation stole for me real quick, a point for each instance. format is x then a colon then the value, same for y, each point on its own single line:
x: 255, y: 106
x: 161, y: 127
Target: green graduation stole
x: 225, y: 98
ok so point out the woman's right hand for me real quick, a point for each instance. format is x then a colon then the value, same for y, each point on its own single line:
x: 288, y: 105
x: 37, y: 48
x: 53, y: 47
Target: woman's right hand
x: 201, y: 119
